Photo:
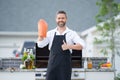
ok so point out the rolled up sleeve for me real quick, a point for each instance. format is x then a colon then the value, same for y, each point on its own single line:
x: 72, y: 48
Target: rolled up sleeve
x: 43, y: 43
x: 78, y: 39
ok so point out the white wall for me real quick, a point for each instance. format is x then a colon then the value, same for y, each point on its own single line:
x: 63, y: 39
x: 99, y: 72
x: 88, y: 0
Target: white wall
x: 10, y: 41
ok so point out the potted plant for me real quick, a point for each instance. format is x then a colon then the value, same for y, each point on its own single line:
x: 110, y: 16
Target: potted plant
x: 28, y: 60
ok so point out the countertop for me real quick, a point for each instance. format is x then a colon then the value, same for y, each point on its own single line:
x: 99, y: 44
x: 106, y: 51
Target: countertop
x: 100, y: 70
x: 44, y: 69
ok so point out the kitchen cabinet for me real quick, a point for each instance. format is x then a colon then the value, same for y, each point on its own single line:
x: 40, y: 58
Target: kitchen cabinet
x: 17, y: 75
x: 77, y: 74
x: 99, y: 75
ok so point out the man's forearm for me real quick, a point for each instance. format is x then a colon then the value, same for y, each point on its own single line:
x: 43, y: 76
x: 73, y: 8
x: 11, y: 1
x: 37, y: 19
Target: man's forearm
x: 66, y: 46
x: 75, y: 47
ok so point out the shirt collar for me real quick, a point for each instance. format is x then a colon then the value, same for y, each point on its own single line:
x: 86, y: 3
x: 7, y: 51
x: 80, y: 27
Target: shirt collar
x: 66, y: 31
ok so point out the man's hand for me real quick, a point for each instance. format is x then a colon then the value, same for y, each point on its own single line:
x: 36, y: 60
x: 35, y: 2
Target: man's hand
x: 64, y: 46
x: 40, y: 38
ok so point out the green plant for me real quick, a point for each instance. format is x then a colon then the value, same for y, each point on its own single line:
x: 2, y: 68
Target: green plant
x: 117, y: 77
x: 32, y: 56
x: 99, y: 65
x: 25, y: 56
x: 29, y: 58
x: 108, y: 10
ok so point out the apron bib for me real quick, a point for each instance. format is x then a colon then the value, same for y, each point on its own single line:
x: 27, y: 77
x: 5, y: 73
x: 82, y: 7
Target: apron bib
x: 59, y: 64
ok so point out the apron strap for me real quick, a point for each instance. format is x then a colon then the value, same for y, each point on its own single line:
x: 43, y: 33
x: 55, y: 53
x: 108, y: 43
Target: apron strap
x: 64, y: 35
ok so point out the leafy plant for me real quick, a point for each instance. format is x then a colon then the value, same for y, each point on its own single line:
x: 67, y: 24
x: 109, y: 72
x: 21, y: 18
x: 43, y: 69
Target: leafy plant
x: 117, y: 77
x: 32, y: 56
x: 108, y: 10
x: 25, y: 56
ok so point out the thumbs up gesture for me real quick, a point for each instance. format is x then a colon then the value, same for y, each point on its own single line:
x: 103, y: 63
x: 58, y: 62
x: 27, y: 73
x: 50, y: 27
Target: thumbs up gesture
x: 64, y: 46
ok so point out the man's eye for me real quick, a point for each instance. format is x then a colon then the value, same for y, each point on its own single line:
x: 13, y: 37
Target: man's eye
x: 60, y: 18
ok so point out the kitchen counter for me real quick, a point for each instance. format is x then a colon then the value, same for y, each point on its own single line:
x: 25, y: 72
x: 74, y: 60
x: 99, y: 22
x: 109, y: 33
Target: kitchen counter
x: 44, y: 69
x: 100, y: 70
x: 17, y: 70
x: 12, y: 71
x: 97, y: 74
x: 39, y: 74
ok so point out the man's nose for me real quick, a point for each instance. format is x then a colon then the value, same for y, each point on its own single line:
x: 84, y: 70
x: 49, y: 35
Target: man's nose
x: 61, y: 20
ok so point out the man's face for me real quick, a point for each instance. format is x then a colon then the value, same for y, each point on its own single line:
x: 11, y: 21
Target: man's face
x: 61, y: 20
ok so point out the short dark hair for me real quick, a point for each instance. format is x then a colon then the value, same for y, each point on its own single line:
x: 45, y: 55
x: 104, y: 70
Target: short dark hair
x: 62, y: 12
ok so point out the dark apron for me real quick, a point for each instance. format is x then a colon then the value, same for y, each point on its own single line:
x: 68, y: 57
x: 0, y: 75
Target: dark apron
x: 59, y: 64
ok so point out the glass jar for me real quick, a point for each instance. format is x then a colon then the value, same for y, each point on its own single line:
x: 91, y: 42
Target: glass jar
x: 28, y: 64
x: 89, y: 64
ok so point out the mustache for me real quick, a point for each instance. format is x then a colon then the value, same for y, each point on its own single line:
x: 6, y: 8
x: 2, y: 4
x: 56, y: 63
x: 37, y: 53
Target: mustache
x: 61, y: 24
x: 61, y: 21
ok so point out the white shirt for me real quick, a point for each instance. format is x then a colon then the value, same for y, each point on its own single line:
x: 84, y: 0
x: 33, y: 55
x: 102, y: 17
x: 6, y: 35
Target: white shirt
x: 71, y: 38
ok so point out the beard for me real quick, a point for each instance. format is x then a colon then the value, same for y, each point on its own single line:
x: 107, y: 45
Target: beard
x: 61, y: 24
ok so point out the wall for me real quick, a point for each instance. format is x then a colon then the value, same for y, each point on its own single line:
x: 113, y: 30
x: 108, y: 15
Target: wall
x: 10, y: 41
x: 23, y: 15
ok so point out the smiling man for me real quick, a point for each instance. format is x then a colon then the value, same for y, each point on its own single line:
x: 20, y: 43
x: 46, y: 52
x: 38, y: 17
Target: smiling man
x: 62, y: 41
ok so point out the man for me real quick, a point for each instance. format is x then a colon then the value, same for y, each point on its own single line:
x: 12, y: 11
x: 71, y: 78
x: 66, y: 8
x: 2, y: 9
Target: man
x: 61, y: 41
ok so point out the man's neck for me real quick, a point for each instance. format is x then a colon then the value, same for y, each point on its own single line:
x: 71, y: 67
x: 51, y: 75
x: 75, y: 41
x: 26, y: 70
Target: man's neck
x: 61, y: 29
